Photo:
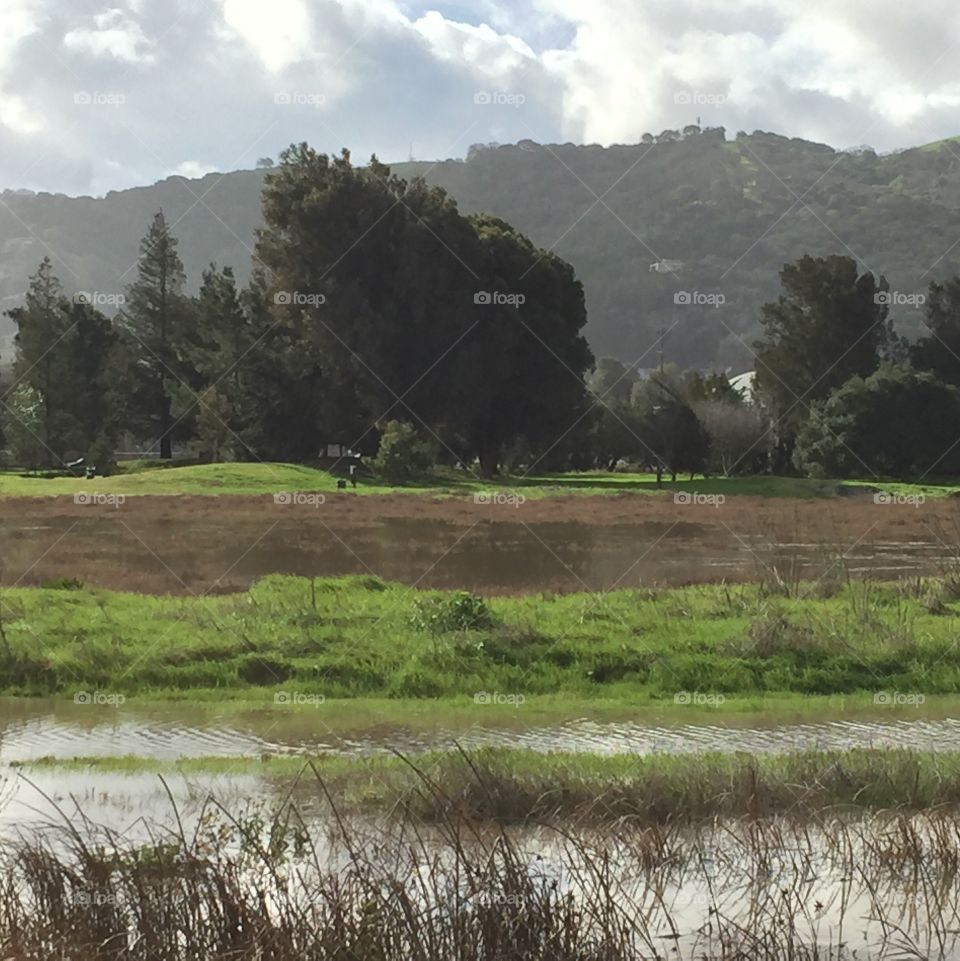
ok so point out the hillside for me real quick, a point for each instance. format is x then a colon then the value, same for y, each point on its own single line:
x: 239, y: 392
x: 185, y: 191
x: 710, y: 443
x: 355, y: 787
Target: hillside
x: 729, y: 211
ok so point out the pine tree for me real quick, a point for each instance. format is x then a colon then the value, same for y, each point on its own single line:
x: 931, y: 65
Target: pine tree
x: 42, y: 324
x: 155, y: 315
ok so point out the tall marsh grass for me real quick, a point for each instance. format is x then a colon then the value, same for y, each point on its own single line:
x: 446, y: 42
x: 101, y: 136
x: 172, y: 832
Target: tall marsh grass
x: 274, y: 886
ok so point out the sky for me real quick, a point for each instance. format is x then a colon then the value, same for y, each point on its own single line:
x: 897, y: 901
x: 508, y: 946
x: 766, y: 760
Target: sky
x: 98, y: 96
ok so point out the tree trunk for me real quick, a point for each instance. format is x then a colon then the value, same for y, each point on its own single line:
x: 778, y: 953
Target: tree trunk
x: 489, y: 456
x: 166, y: 451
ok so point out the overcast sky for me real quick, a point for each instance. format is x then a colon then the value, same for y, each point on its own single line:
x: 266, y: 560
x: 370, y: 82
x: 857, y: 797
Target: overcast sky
x: 100, y: 95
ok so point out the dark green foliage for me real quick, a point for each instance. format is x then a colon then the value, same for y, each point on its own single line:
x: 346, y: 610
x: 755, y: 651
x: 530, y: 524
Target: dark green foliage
x: 64, y: 388
x: 156, y: 318
x: 896, y: 423
x: 827, y: 326
x: 460, y: 611
x: 699, y: 198
x: 403, y: 455
x: 938, y: 350
x: 459, y: 326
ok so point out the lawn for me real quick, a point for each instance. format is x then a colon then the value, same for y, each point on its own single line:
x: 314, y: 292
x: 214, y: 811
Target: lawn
x: 293, y: 641
x: 141, y: 477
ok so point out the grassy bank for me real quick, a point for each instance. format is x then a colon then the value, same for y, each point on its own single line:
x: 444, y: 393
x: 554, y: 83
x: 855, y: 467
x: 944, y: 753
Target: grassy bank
x: 513, y: 785
x: 297, y: 641
x: 141, y: 478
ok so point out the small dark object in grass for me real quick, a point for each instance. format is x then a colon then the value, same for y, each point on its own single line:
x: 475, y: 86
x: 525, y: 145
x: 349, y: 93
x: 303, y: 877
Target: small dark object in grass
x: 63, y: 584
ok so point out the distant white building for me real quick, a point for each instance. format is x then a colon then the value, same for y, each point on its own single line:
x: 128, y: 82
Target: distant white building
x: 743, y: 384
x: 666, y: 266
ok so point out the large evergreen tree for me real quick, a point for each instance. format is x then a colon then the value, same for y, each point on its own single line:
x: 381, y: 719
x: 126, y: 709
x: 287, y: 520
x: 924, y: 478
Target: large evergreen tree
x: 156, y: 315
x: 42, y: 324
x: 384, y: 283
x: 828, y: 325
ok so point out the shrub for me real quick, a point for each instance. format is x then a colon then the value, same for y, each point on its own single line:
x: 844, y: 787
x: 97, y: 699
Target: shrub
x: 461, y: 611
x: 403, y: 454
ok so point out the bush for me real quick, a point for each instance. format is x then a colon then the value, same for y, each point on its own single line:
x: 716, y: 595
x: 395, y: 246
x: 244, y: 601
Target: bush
x: 403, y: 454
x: 897, y: 422
x: 461, y: 611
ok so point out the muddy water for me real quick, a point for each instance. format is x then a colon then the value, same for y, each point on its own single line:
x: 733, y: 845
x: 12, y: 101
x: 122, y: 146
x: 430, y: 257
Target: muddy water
x: 129, y: 550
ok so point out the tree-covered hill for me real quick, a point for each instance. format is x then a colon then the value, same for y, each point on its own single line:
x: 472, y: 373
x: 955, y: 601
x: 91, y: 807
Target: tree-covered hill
x: 731, y: 212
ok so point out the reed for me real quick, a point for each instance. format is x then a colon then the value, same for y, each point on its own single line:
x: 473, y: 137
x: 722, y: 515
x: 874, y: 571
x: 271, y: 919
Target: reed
x: 273, y: 885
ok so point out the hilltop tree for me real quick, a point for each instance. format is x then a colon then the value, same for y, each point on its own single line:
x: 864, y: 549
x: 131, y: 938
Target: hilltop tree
x: 156, y: 318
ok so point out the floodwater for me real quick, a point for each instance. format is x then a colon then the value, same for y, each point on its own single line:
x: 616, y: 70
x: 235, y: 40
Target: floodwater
x: 163, y: 554
x: 48, y: 728
x: 31, y: 729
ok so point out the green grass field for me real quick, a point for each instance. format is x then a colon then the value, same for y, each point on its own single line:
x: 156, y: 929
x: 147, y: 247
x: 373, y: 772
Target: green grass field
x: 360, y: 637
x: 139, y: 477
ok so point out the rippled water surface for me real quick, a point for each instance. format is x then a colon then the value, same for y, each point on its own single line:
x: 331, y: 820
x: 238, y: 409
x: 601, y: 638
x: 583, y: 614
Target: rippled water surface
x: 35, y: 729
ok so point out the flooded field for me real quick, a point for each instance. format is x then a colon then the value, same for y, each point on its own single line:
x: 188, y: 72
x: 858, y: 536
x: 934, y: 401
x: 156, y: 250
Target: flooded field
x: 35, y: 728
x: 880, y: 887
x: 199, y: 545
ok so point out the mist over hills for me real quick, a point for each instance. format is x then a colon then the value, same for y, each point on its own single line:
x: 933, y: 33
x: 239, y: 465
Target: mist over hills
x: 729, y: 213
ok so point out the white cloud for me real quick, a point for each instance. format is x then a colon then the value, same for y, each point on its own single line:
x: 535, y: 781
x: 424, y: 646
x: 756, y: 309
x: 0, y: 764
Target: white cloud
x: 392, y: 73
x: 278, y: 31
x: 479, y: 47
x: 112, y: 35
x: 192, y: 168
